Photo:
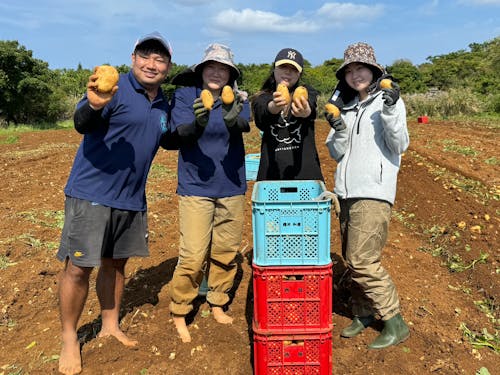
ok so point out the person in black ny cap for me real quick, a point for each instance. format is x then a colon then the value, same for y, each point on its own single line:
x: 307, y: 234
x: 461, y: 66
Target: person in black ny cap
x: 288, y: 149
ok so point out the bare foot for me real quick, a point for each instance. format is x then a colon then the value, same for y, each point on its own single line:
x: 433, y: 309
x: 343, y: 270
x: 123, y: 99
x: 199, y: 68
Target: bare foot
x: 180, y: 324
x: 70, y: 360
x: 220, y: 316
x: 119, y: 335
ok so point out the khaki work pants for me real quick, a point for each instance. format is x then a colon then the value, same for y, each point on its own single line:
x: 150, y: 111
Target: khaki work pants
x: 210, y: 232
x: 364, y: 226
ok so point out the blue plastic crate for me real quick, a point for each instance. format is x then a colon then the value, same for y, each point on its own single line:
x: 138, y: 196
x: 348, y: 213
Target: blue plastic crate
x: 290, y: 227
x: 252, y: 162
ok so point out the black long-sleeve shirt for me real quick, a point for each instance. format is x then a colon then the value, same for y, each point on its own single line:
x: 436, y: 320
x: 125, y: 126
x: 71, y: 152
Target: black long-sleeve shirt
x: 288, y: 149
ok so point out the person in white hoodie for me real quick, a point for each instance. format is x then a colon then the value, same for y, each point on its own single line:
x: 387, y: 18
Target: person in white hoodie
x: 367, y: 141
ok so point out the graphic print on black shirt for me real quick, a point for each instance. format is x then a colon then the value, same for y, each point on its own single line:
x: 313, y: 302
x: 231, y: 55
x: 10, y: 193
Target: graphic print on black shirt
x: 287, y: 134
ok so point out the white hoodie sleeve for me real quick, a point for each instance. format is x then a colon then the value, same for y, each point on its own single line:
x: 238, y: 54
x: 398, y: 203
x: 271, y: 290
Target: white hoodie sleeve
x: 395, y: 128
x: 336, y: 142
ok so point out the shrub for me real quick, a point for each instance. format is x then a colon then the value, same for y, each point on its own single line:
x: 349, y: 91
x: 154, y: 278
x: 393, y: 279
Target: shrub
x: 441, y: 103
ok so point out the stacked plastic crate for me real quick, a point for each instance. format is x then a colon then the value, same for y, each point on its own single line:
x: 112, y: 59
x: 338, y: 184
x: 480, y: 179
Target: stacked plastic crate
x: 292, y: 278
x: 252, y: 162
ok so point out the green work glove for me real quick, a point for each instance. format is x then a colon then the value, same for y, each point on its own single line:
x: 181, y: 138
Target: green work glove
x: 200, y: 112
x: 230, y: 112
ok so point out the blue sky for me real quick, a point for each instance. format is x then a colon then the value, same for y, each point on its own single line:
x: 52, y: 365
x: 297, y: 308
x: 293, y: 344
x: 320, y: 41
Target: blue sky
x: 65, y: 33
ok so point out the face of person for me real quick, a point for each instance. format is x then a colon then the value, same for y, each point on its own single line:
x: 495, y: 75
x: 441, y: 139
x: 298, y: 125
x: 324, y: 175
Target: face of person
x: 286, y: 74
x: 150, y: 70
x: 358, y: 76
x: 215, y: 75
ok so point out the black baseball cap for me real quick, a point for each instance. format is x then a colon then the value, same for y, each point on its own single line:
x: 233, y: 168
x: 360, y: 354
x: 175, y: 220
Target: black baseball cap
x: 290, y: 56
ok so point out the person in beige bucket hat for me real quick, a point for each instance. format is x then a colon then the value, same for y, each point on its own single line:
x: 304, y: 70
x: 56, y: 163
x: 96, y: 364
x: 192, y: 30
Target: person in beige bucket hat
x: 211, y: 183
x: 367, y: 141
x: 222, y: 54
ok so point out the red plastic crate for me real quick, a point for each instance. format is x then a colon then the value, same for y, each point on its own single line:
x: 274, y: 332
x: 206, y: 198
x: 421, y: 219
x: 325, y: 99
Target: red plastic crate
x: 293, y: 354
x: 423, y: 119
x: 292, y: 299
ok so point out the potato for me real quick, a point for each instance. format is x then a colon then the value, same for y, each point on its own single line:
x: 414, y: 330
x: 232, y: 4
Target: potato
x: 207, y: 99
x: 333, y: 109
x: 386, y: 83
x: 227, y: 95
x: 300, y: 92
x: 283, y: 89
x: 107, y: 78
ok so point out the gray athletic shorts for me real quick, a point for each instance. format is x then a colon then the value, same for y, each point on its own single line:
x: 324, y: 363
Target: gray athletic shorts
x: 92, y: 231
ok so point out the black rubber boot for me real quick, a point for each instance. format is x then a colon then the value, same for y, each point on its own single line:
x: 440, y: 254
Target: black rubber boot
x: 395, y: 331
x: 359, y: 323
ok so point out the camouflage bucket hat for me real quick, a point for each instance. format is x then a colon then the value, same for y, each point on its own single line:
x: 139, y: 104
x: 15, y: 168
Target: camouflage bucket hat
x: 219, y: 53
x: 361, y: 53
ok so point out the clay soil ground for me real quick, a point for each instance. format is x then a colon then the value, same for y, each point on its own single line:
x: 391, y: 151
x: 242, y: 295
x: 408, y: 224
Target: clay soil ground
x: 443, y: 253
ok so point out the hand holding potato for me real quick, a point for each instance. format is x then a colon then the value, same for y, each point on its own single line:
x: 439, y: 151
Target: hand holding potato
x: 301, y: 107
x: 101, y: 87
x: 230, y: 112
x: 201, y: 112
x: 390, y: 94
x: 332, y: 115
x: 281, y: 99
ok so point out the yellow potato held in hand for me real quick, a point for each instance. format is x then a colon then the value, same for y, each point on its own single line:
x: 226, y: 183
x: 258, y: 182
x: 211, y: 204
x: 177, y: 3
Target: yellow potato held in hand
x: 107, y: 78
x: 227, y: 95
x: 207, y: 99
x: 386, y: 83
x: 332, y: 109
x: 300, y: 92
x: 283, y: 89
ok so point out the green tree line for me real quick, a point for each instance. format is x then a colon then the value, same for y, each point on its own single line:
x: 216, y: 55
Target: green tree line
x: 30, y: 92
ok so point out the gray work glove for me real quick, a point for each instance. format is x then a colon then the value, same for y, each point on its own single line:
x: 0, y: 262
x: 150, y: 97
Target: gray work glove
x: 335, y: 122
x: 391, y: 96
x: 200, y: 112
x: 230, y: 112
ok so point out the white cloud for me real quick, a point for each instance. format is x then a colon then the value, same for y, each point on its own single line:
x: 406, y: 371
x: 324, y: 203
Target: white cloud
x: 249, y: 20
x: 327, y: 16
x: 480, y: 2
x: 344, y: 14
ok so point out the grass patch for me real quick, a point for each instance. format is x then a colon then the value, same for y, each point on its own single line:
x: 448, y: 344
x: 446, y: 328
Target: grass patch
x: 455, y: 180
x: 47, y: 148
x: 47, y: 218
x: 482, y: 339
x: 12, y: 370
x: 492, y: 161
x: 455, y: 263
x: 9, y: 139
x: 404, y: 218
x: 5, y: 262
x: 452, y: 261
x: 489, y: 308
x: 31, y: 241
x: 7, y: 323
x: 161, y: 171
x: 23, y: 128
x: 450, y: 145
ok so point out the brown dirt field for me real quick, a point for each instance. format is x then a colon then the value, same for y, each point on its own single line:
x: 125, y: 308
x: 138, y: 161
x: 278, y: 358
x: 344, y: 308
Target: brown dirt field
x: 444, y: 193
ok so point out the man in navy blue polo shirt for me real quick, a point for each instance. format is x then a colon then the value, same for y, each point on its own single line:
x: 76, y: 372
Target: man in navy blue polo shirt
x: 105, y: 208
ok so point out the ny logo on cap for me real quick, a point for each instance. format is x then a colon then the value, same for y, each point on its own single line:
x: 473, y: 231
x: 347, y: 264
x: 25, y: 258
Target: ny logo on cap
x: 291, y: 55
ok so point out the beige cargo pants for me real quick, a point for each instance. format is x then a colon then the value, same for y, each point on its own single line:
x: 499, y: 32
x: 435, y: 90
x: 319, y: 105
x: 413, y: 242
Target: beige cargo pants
x: 210, y: 231
x: 364, y: 226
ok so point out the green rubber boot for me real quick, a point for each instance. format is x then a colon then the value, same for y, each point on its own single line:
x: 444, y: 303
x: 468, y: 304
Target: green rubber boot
x: 395, y: 331
x: 357, y: 326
